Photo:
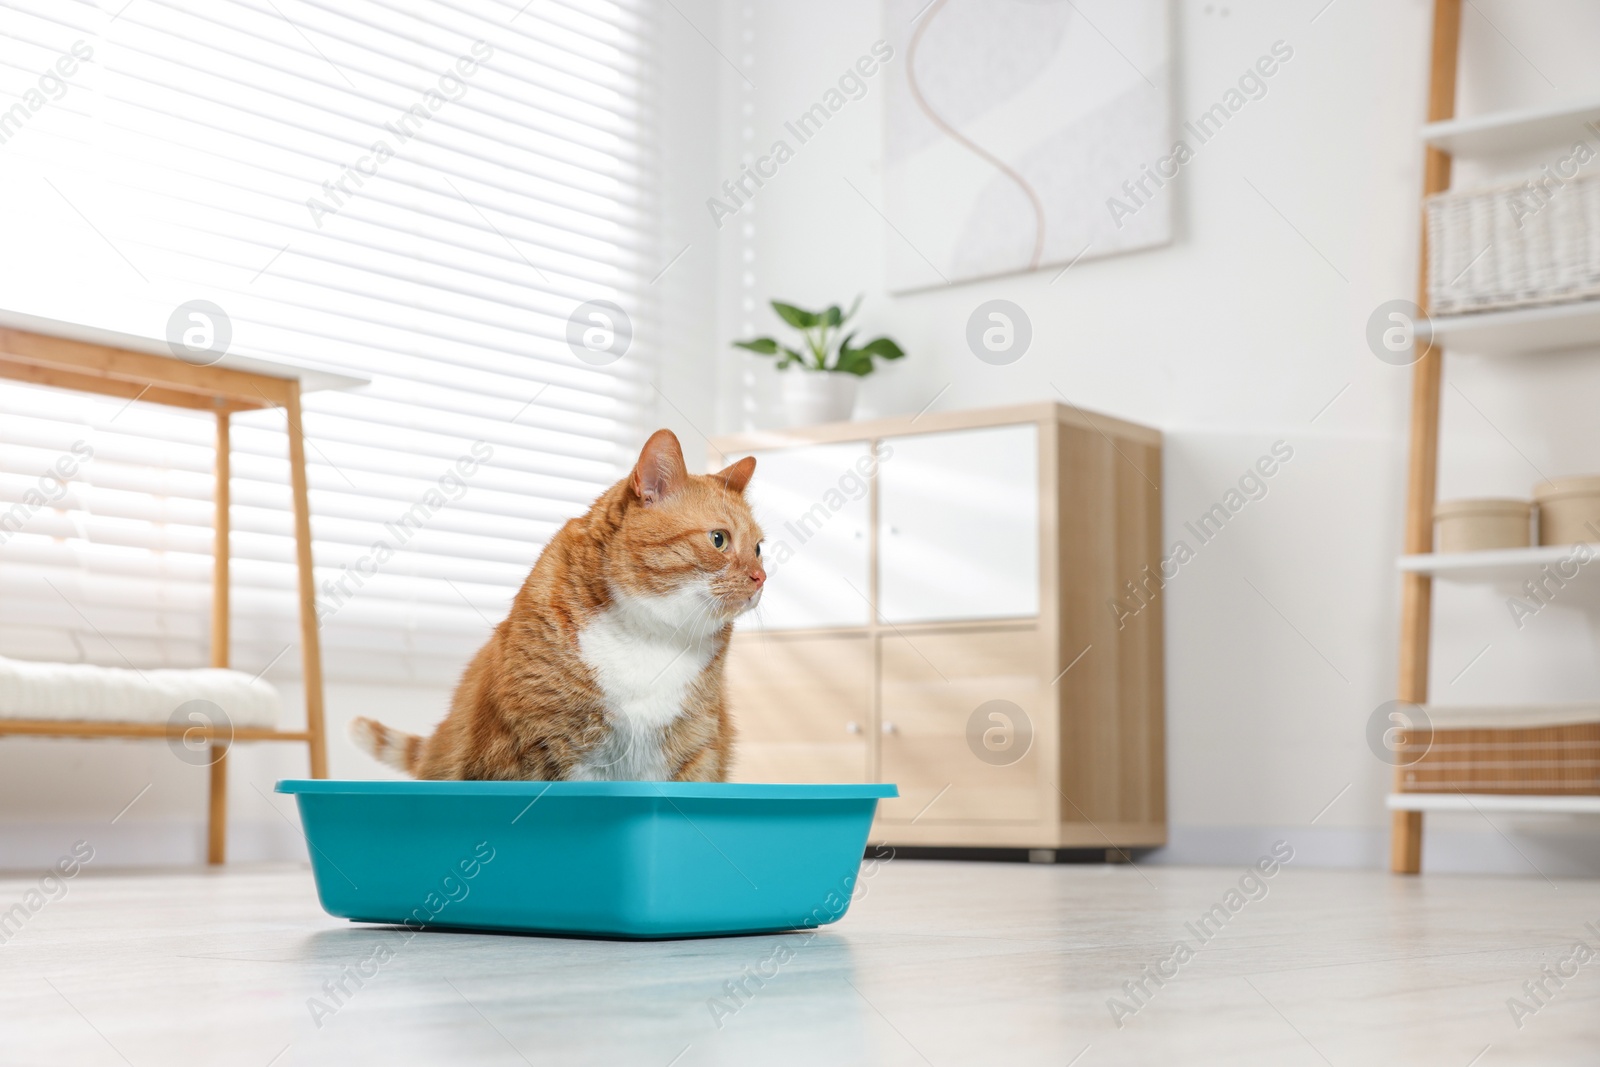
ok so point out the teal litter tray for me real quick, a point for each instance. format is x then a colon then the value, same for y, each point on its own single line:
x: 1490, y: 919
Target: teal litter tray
x: 605, y: 859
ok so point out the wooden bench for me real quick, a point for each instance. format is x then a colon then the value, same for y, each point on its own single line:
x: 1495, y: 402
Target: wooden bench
x: 67, y: 356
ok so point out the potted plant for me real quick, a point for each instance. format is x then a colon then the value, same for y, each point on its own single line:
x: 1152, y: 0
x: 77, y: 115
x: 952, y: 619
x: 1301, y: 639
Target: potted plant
x: 830, y: 362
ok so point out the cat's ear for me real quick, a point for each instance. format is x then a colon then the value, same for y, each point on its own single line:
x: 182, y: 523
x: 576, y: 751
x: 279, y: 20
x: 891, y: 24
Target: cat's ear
x: 660, y: 471
x: 737, y: 476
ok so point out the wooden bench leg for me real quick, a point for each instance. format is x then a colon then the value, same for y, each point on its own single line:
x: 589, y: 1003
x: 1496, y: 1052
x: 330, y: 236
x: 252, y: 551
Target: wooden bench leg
x: 217, y: 826
x: 1405, y: 843
x: 217, y: 817
x: 310, y: 650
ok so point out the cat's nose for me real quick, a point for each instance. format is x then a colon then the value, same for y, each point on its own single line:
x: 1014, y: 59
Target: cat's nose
x: 759, y: 577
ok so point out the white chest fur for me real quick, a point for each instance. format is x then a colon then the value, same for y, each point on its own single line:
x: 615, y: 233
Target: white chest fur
x: 645, y: 653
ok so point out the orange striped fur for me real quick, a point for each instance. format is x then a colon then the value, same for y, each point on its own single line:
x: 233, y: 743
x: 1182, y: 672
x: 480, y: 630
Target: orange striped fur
x: 610, y: 664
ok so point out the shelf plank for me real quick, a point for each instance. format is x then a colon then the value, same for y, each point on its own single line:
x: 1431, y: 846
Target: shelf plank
x: 1501, y: 802
x: 1498, y: 565
x: 1522, y: 130
x: 1550, y: 328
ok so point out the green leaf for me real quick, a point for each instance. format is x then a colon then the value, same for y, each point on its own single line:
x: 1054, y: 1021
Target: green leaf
x: 833, y: 316
x: 854, y: 361
x: 883, y: 348
x: 844, y: 346
x: 854, y: 307
x: 790, y: 356
x: 799, y: 319
x: 761, y: 346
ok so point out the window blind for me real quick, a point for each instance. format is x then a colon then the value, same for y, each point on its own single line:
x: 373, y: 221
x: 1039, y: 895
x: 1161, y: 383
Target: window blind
x: 422, y: 194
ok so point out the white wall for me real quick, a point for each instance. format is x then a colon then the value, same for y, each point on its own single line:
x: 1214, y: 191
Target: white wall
x: 1293, y: 224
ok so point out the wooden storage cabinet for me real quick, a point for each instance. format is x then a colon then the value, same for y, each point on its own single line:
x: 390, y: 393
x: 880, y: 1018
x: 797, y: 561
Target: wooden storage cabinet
x: 943, y: 614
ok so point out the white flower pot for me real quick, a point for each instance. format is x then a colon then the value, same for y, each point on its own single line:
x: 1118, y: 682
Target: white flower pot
x: 810, y: 397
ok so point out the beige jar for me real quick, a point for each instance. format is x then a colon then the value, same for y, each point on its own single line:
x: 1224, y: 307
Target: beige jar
x: 1569, y: 510
x: 1482, y: 525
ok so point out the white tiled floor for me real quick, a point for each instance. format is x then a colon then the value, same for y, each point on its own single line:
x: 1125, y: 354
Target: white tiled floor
x: 939, y: 963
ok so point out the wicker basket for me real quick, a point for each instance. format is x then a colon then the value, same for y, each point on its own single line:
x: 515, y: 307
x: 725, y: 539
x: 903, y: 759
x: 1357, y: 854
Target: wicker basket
x: 1509, y: 246
x: 1548, y: 760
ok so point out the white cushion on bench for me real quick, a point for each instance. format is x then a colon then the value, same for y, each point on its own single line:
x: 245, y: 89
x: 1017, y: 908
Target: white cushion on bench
x: 81, y: 692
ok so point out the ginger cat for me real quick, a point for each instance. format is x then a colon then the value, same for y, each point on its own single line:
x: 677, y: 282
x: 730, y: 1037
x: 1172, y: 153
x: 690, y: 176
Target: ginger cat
x: 610, y: 665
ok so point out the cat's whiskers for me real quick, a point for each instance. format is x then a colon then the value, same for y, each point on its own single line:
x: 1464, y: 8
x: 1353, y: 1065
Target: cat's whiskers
x: 713, y: 611
x: 713, y: 616
x: 702, y: 612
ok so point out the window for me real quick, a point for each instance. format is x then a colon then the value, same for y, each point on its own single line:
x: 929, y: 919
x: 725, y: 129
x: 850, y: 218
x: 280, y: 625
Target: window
x: 422, y: 194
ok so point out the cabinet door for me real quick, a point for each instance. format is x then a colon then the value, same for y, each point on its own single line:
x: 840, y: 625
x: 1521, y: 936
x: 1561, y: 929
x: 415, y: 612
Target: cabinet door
x: 960, y: 723
x: 812, y: 504
x: 958, y: 525
x: 802, y: 707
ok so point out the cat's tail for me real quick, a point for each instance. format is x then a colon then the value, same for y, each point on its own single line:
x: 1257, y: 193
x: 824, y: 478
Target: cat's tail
x: 402, y: 751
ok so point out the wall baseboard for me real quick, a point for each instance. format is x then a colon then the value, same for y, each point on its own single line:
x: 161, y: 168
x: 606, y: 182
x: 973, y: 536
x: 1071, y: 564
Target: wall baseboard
x: 35, y: 846
x: 1566, y: 847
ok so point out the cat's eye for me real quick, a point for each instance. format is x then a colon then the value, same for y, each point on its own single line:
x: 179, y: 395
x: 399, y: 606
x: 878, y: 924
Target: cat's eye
x: 758, y: 549
x: 719, y: 539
